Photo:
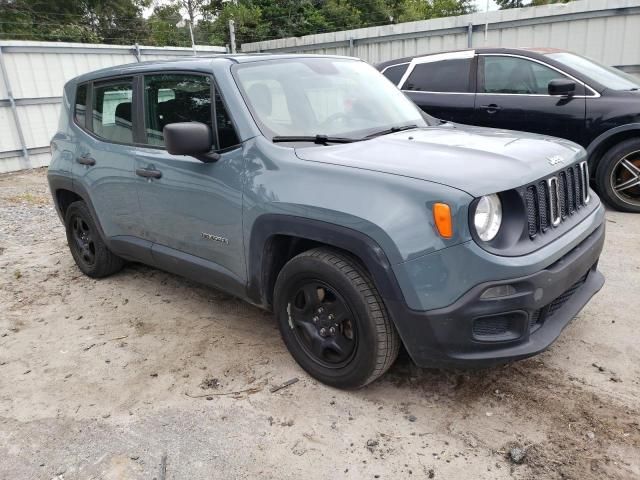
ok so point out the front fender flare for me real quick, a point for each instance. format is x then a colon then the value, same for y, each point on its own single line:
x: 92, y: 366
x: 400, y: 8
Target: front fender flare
x: 358, y: 244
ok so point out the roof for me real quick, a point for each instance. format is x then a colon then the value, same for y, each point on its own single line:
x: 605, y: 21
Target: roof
x: 530, y: 51
x: 203, y: 62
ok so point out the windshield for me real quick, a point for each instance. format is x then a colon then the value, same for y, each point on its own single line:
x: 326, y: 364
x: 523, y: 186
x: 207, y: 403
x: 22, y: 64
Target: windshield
x: 607, y: 76
x: 323, y: 96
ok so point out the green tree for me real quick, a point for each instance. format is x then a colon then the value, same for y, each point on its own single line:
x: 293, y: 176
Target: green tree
x: 107, y: 21
x: 341, y: 15
x: 504, y: 4
x: 163, y: 29
x: 116, y: 21
x: 248, y: 24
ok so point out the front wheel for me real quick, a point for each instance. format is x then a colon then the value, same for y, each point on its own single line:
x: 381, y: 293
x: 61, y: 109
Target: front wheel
x: 333, y: 320
x: 618, y: 176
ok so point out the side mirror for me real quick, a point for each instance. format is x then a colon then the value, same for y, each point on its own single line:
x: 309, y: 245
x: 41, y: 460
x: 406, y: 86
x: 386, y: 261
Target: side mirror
x: 190, y: 138
x: 562, y: 87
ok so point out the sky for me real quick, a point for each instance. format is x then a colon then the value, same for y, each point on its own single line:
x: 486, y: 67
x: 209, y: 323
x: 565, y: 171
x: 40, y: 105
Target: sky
x: 481, y: 5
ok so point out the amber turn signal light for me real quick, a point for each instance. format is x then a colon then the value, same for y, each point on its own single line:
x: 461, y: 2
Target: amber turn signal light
x: 442, y: 217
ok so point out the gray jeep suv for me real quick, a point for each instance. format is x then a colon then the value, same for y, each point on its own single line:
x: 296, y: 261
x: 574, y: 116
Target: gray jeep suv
x: 312, y: 187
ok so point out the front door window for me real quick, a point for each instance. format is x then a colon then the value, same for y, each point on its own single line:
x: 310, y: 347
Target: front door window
x: 516, y: 75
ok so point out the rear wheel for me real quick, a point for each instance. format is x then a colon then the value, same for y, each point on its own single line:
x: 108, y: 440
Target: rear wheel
x: 332, y: 319
x: 87, y: 248
x: 618, y: 176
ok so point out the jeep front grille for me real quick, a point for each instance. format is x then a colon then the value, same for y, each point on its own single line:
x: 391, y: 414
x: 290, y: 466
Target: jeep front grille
x: 550, y: 201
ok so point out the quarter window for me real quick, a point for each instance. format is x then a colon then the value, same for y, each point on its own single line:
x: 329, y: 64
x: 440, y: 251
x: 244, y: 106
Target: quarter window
x: 80, y: 110
x: 396, y: 72
x: 449, y: 76
x: 517, y: 76
x: 227, y: 136
x: 112, y: 111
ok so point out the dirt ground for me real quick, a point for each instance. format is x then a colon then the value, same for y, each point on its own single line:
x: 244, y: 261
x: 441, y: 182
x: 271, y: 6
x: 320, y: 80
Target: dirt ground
x: 146, y: 375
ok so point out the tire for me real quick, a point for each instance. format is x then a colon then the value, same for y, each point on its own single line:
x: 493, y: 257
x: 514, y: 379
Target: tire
x: 612, y: 172
x: 88, y: 249
x: 326, y: 289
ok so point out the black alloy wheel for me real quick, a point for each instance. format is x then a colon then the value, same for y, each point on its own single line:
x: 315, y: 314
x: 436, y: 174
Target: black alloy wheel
x: 333, y: 320
x: 83, y: 238
x: 322, y: 323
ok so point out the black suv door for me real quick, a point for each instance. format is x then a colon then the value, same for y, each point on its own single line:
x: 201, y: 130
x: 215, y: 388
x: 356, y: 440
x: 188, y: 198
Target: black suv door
x: 512, y: 93
x: 442, y: 85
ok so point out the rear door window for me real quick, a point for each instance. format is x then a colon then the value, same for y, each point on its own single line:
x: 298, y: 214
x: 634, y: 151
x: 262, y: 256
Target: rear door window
x: 447, y: 76
x: 112, y: 117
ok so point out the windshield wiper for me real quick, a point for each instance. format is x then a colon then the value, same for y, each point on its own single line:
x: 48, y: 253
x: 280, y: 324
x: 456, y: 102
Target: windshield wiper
x: 319, y: 139
x: 391, y: 130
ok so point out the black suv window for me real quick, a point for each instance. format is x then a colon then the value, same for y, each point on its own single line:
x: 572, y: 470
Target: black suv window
x: 518, y: 76
x: 80, y: 110
x: 112, y: 107
x: 443, y: 76
x: 173, y: 98
x: 395, y: 72
x: 183, y: 97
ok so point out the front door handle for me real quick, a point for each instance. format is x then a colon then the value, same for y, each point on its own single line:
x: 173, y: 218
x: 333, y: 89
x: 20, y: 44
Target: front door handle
x: 86, y: 160
x: 148, y: 173
x: 491, y: 108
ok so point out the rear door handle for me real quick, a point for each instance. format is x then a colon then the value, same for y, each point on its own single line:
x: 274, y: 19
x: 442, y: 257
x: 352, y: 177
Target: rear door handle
x: 491, y: 108
x: 148, y: 173
x: 86, y: 160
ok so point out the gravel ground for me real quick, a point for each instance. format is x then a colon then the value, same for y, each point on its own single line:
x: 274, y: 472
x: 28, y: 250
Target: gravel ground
x: 145, y: 373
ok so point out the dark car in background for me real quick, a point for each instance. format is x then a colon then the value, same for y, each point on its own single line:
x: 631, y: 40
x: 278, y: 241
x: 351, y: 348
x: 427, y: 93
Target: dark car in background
x: 547, y: 91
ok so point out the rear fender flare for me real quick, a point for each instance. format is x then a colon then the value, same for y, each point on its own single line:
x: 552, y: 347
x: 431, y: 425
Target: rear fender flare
x: 60, y: 182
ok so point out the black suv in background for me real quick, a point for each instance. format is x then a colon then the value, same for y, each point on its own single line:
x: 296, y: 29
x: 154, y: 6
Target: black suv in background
x: 547, y: 91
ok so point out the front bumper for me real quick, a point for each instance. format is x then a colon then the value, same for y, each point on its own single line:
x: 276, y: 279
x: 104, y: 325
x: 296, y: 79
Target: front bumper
x: 478, y: 332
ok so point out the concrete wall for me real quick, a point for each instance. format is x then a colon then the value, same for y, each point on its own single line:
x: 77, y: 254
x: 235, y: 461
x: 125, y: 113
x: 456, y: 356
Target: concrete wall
x: 32, y: 75
x: 605, y: 30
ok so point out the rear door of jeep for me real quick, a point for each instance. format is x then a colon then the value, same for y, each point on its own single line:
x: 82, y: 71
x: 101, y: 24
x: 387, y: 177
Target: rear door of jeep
x: 103, y: 164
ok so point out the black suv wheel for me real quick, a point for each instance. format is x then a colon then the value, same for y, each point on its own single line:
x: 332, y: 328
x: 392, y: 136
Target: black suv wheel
x: 332, y: 319
x: 87, y: 248
x: 618, y: 176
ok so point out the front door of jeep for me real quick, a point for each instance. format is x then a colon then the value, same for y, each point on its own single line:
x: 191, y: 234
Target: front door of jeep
x: 192, y: 211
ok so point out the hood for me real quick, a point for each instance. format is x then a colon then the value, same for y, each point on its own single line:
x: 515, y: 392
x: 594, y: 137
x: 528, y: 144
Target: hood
x: 474, y: 159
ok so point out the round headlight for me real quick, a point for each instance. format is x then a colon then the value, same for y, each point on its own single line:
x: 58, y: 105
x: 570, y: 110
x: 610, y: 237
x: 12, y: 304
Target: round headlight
x: 488, y: 217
